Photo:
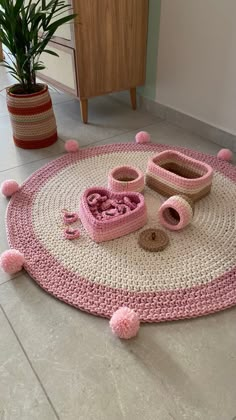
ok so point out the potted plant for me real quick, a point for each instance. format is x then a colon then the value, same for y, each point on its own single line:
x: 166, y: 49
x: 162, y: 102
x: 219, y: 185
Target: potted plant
x: 26, y: 27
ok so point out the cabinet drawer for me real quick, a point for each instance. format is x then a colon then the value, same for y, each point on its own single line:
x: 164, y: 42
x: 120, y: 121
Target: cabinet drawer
x: 65, y: 33
x: 60, y: 71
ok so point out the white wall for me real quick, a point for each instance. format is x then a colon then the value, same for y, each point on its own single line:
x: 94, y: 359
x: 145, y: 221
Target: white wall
x: 196, y: 71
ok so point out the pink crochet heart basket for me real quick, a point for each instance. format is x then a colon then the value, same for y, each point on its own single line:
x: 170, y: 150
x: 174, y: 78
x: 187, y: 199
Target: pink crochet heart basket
x: 101, y: 228
x: 172, y: 173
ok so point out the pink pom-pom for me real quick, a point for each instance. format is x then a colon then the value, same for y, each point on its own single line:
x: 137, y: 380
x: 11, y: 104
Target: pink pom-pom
x: 225, y: 154
x: 124, y: 323
x: 11, y: 261
x: 9, y: 187
x: 71, y: 146
x: 142, y: 137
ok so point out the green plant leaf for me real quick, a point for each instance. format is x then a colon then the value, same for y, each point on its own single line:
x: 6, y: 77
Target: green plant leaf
x: 51, y: 53
x: 26, y: 30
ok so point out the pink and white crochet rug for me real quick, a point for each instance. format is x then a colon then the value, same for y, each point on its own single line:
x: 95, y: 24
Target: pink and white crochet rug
x: 195, y: 275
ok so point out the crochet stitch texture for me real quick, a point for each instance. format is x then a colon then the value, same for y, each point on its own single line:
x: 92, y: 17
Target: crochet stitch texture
x: 195, y: 275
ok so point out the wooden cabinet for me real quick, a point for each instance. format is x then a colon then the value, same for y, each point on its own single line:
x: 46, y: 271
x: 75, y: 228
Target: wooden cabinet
x: 1, y: 52
x: 61, y: 71
x: 102, y: 51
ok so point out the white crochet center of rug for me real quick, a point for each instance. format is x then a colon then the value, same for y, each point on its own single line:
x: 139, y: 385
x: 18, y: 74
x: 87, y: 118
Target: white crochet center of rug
x: 198, y: 254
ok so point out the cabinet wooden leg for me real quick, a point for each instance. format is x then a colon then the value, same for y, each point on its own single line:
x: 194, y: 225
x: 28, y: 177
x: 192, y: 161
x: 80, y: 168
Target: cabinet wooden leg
x: 1, y: 52
x: 84, y: 110
x: 133, y: 97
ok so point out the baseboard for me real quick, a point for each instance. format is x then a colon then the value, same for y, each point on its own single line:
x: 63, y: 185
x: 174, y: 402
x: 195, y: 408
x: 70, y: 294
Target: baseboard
x: 214, y: 134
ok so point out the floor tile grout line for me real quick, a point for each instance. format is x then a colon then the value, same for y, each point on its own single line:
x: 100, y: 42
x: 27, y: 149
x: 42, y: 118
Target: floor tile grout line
x: 6, y: 281
x: 82, y: 147
x: 10, y: 279
x: 121, y: 134
x: 4, y: 115
x: 61, y: 101
x: 113, y: 99
x: 29, y: 361
x: 33, y: 161
x: 15, y: 277
x: 117, y: 135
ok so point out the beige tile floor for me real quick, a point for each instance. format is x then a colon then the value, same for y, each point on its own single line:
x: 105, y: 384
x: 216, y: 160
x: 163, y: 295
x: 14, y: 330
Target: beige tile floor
x: 59, y: 363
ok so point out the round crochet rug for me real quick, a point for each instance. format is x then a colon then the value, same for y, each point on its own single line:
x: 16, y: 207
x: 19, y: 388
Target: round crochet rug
x: 195, y: 275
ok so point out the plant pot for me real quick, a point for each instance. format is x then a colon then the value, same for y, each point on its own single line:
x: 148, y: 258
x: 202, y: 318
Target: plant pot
x: 32, y: 118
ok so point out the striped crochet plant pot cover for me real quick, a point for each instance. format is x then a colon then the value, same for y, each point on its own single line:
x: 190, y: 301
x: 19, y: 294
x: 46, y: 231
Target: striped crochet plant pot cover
x: 194, y: 275
x: 32, y: 119
x: 172, y: 173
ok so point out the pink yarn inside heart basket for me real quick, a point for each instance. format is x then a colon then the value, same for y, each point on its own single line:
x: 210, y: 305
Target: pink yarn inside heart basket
x: 104, y: 208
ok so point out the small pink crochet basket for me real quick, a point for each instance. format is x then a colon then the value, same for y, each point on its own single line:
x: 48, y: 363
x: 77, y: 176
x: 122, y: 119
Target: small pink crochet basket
x: 172, y: 173
x: 126, y: 178
x: 175, y: 213
x: 114, y: 227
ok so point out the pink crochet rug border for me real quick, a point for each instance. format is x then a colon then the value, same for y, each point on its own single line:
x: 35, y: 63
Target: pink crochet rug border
x: 98, y: 299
